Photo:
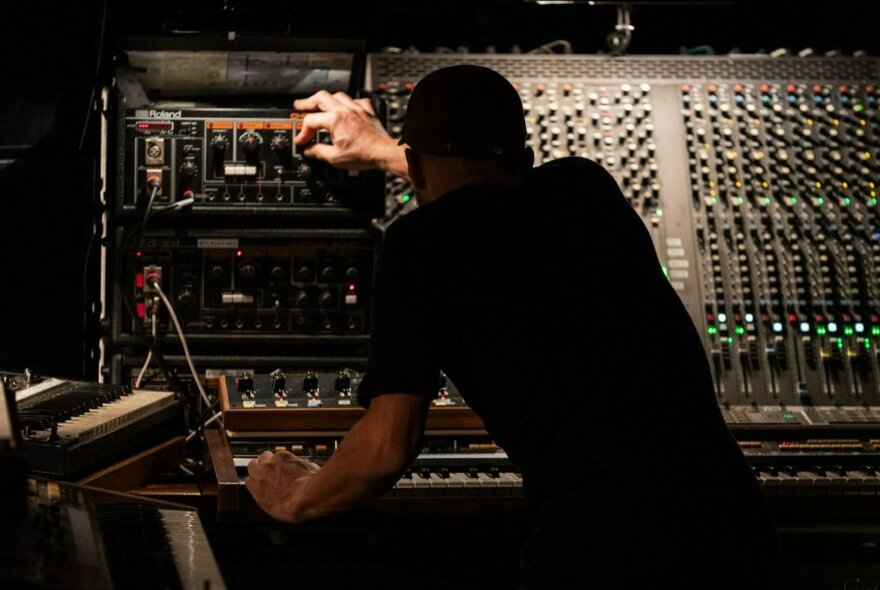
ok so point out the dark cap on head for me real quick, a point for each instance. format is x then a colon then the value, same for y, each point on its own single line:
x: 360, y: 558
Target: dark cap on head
x: 465, y: 111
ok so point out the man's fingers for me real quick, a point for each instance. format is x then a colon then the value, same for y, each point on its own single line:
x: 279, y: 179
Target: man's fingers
x: 321, y: 151
x: 321, y: 100
x: 253, y: 467
x: 312, y: 123
x: 286, y: 456
x: 348, y: 101
x: 367, y: 105
x: 265, y: 457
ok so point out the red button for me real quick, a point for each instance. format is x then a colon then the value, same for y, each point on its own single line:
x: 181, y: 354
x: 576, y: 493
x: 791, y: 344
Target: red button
x: 791, y: 88
x: 765, y: 89
x: 738, y: 88
x: 139, y: 280
x: 141, y: 310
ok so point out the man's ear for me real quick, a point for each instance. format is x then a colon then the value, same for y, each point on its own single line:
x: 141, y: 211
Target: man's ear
x: 416, y: 169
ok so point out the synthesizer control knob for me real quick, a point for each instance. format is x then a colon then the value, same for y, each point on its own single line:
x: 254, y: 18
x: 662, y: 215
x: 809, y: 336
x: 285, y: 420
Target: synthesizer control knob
x: 279, y: 383
x: 304, y: 170
x: 343, y: 384
x: 326, y: 299
x: 280, y: 143
x: 185, y: 297
x: 219, y: 143
x: 245, y: 386
x: 188, y: 170
x: 247, y: 271
x: 281, y: 146
x: 250, y: 141
x: 310, y: 384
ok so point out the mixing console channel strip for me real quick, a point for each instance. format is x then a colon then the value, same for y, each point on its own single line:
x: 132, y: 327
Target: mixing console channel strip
x: 757, y: 179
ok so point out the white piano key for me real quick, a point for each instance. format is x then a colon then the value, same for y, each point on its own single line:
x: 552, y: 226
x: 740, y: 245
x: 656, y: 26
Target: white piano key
x: 191, y: 551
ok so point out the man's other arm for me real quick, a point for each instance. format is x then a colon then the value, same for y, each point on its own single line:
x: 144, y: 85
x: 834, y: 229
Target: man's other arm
x: 368, y: 461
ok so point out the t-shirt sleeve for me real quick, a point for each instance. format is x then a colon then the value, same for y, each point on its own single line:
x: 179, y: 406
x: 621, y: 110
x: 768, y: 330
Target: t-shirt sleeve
x: 403, y: 352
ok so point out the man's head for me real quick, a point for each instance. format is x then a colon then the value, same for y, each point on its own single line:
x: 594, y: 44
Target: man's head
x: 464, y: 125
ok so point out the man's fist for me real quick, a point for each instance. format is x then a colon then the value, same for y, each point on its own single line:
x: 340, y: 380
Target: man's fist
x: 275, y: 480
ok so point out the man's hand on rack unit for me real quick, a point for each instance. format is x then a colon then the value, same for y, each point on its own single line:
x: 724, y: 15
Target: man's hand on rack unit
x: 359, y: 142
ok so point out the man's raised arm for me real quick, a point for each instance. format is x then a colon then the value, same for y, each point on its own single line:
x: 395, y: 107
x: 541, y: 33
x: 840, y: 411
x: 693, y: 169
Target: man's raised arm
x: 359, y: 142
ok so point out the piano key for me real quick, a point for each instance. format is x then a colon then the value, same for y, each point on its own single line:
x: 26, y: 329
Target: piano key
x: 191, y: 551
x: 868, y: 484
x: 111, y: 416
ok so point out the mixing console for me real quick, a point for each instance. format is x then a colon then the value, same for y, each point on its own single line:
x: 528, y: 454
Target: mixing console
x: 757, y: 179
x: 785, y: 211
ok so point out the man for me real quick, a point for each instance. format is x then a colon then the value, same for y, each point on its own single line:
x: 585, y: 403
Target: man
x: 537, y: 290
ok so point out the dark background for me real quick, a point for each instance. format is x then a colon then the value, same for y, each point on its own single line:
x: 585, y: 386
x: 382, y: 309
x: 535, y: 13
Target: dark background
x: 55, y: 57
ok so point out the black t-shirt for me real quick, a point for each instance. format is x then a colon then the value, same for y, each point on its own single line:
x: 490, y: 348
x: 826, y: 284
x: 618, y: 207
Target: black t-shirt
x: 549, y: 310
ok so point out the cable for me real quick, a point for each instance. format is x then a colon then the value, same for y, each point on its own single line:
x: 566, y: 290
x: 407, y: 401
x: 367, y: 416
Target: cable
x: 548, y: 47
x: 127, y: 300
x: 619, y: 39
x: 140, y: 376
x: 154, y: 283
x: 213, y: 418
x: 101, y: 35
x: 156, y: 185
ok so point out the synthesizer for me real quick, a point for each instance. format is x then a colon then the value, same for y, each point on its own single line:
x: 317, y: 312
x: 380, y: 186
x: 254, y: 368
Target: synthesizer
x: 81, y: 537
x: 251, y: 285
x: 69, y: 427
x: 232, y: 160
x: 307, y: 413
x: 800, y: 458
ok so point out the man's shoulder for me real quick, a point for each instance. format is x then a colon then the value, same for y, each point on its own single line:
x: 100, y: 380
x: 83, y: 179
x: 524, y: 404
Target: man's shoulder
x: 571, y: 166
x: 575, y: 181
